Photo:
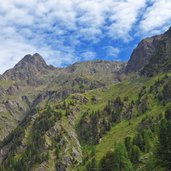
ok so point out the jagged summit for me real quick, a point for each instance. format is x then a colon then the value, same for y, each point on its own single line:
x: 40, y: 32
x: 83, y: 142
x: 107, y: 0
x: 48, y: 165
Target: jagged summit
x: 29, y: 68
x: 35, y: 60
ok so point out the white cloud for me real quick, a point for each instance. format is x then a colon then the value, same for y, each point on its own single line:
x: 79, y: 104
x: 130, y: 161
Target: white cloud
x: 88, y: 55
x: 157, y: 17
x: 112, y: 51
x: 56, y: 28
x: 12, y: 52
x: 124, y: 14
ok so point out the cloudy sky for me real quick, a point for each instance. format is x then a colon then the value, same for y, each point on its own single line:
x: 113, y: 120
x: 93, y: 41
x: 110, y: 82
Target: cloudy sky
x: 66, y: 31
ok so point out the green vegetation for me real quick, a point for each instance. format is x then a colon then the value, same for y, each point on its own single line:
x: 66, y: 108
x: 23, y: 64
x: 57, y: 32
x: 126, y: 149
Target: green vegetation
x: 118, y: 130
x: 117, y: 160
x: 136, y: 123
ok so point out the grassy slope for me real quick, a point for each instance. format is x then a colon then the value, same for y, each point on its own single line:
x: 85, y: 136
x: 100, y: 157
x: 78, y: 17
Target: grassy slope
x: 119, y: 132
x: 123, y: 129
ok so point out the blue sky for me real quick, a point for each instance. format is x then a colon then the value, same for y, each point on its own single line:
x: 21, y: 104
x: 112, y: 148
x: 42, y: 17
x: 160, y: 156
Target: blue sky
x: 68, y: 31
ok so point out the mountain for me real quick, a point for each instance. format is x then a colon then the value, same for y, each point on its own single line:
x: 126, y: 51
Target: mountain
x: 142, y: 54
x: 90, y: 115
x: 29, y: 69
x: 161, y: 59
x: 32, y: 82
x: 151, y: 51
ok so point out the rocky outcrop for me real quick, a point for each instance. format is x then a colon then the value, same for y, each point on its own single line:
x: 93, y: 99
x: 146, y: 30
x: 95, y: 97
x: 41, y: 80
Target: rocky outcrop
x: 147, y: 52
x: 14, y: 89
x: 2, y: 93
x: 2, y: 77
x: 142, y: 54
x: 160, y: 61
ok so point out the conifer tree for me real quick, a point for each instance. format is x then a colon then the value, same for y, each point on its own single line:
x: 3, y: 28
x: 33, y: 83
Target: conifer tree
x: 117, y: 160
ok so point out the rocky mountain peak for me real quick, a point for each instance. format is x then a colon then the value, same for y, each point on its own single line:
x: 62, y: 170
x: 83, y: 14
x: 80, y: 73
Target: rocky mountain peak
x: 29, y: 68
x: 35, y: 60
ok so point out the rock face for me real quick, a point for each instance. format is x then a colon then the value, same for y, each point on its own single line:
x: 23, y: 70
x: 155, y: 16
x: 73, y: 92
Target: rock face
x: 161, y: 58
x: 148, y: 49
x: 142, y: 54
x: 3, y: 92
